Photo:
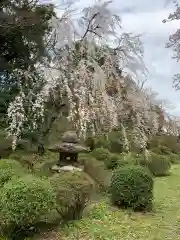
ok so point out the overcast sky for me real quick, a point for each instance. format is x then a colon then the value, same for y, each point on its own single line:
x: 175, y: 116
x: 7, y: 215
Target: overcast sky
x: 145, y: 17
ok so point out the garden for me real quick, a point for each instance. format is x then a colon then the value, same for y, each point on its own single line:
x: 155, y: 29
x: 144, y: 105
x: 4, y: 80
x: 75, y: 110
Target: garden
x: 116, y: 195
x: 87, y: 150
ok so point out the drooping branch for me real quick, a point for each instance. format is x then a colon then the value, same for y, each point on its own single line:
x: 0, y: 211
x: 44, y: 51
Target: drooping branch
x: 88, y: 26
x: 85, y: 70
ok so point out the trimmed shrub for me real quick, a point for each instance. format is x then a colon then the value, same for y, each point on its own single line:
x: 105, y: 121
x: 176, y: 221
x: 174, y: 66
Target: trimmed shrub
x: 96, y: 170
x: 132, y: 186
x: 165, y: 150
x: 6, y: 145
x: 25, y: 201
x: 130, y: 159
x: 73, y: 191
x: 96, y: 210
x: 116, y: 143
x: 45, y: 169
x: 8, y: 169
x: 101, y: 142
x: 113, y: 161
x: 161, y: 150
x: 101, y: 154
x: 83, y: 157
x: 116, y: 146
x: 158, y: 165
x: 174, y: 158
x: 27, y: 160
x: 45, y: 163
x: 17, y: 155
x: 90, y: 142
x: 169, y: 141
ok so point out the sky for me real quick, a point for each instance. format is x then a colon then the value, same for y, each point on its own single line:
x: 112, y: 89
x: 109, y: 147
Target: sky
x: 145, y: 17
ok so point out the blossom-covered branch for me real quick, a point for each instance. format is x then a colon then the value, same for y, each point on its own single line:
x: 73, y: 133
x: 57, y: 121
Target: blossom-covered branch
x: 86, y: 72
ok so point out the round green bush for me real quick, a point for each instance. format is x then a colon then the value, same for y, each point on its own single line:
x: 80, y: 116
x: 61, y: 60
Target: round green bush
x: 8, y: 169
x: 26, y: 200
x: 73, y: 191
x: 128, y: 160
x: 132, y: 186
x: 159, y: 165
x: 113, y: 161
x: 174, y: 158
x: 101, y: 142
x: 90, y: 142
x: 161, y: 150
x: 101, y: 154
x: 83, y: 157
x: 116, y: 144
x: 98, y: 172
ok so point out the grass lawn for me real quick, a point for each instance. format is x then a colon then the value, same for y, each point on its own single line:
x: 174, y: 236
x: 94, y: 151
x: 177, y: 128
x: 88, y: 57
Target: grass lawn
x: 107, y: 223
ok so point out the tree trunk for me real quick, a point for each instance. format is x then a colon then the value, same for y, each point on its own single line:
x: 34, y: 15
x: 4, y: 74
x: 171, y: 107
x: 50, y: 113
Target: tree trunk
x: 41, y: 149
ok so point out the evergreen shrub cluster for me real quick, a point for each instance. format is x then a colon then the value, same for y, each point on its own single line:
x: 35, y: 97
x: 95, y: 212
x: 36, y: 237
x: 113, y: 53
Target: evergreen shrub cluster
x: 27, y: 200
x: 132, y: 186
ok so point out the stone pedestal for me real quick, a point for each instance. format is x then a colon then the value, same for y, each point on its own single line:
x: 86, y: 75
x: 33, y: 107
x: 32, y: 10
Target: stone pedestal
x: 67, y: 168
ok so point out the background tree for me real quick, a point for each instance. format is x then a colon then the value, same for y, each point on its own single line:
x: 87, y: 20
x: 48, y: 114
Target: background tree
x: 174, y: 40
x: 23, y: 26
x: 84, y: 69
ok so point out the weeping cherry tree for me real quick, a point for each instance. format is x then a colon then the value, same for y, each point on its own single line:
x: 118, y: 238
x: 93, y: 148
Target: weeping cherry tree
x: 88, y: 52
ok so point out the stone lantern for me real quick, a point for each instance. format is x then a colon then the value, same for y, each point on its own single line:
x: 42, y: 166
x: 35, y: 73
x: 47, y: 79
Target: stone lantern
x: 68, y: 149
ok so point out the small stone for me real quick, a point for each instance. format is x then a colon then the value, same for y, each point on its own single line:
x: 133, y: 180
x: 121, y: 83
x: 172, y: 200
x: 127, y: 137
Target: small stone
x: 56, y: 168
x: 68, y: 168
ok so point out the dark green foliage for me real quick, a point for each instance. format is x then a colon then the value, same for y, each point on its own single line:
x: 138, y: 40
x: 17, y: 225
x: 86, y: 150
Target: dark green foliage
x: 45, y: 163
x: 165, y: 142
x: 168, y: 153
x: 23, y: 29
x: 101, y: 142
x: 115, y: 142
x: 83, y: 157
x: 161, y: 150
x: 101, y: 154
x: 127, y: 160
x: 20, y: 155
x: 123, y: 159
x: 90, y: 142
x: 159, y: 165
x: 164, y: 150
x: 112, y: 142
x: 132, y: 186
x: 31, y: 24
x: 97, y: 171
x: 73, y: 191
x: 45, y: 169
x: 113, y: 161
x: 174, y: 158
x: 9, y: 168
x: 5, y: 145
x: 116, y: 146
x: 25, y: 201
